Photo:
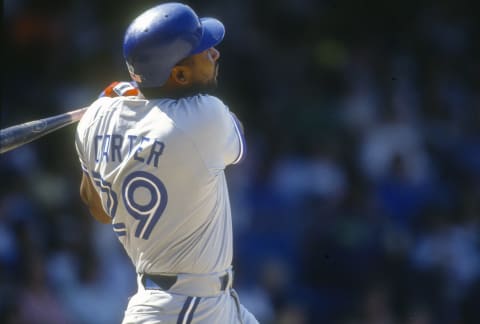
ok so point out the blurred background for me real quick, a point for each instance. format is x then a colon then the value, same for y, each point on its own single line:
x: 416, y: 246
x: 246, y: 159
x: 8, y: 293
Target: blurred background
x: 359, y: 200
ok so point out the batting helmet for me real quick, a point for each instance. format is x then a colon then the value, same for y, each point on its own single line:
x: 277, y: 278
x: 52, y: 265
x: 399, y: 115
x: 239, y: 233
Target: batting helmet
x: 164, y: 35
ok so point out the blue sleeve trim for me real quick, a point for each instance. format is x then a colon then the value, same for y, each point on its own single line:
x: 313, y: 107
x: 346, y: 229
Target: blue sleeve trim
x: 120, y: 229
x: 106, y: 187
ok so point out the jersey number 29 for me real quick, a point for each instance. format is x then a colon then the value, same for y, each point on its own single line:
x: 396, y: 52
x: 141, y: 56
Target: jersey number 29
x: 144, y: 196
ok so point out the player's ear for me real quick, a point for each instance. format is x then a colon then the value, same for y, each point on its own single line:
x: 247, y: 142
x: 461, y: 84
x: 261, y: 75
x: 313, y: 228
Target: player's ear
x: 181, y: 75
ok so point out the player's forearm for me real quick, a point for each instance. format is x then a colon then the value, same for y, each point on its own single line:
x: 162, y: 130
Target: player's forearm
x: 100, y: 215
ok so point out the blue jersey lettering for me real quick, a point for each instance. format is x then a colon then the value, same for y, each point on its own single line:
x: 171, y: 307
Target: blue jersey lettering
x: 108, y: 147
x: 155, y: 152
x: 117, y: 141
x: 140, y: 149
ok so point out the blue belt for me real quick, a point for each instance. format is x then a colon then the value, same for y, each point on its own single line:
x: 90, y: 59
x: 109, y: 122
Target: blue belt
x: 165, y: 282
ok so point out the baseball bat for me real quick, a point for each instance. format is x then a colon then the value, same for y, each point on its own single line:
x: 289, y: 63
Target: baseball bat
x: 18, y: 135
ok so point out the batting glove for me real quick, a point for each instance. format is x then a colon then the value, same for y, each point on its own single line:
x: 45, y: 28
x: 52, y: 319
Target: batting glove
x: 120, y: 88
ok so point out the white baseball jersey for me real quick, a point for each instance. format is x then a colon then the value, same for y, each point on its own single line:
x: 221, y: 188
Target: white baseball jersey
x: 158, y: 166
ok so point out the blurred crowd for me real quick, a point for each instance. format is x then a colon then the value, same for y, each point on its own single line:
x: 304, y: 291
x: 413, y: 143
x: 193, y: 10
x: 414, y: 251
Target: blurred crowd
x: 359, y: 200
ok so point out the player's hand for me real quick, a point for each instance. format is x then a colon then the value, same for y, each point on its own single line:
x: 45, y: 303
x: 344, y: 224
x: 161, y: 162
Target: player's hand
x: 120, y: 88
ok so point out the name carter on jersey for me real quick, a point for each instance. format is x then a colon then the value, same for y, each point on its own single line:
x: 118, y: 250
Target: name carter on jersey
x: 144, y: 149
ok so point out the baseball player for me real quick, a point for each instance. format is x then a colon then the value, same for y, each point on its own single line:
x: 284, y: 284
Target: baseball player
x: 153, y: 163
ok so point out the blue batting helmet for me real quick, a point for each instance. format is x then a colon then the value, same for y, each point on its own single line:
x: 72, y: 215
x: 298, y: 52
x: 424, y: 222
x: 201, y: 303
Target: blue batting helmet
x: 164, y: 35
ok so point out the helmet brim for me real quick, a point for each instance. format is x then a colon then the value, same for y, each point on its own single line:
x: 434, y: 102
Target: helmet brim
x: 213, y: 33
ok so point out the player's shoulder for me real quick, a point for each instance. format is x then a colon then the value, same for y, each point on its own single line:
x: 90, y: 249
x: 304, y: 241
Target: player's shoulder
x: 209, y: 100
x: 93, y: 111
x: 204, y: 105
x: 104, y: 104
x: 196, y: 112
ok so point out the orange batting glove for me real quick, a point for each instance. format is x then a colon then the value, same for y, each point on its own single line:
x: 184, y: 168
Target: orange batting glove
x: 120, y: 88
